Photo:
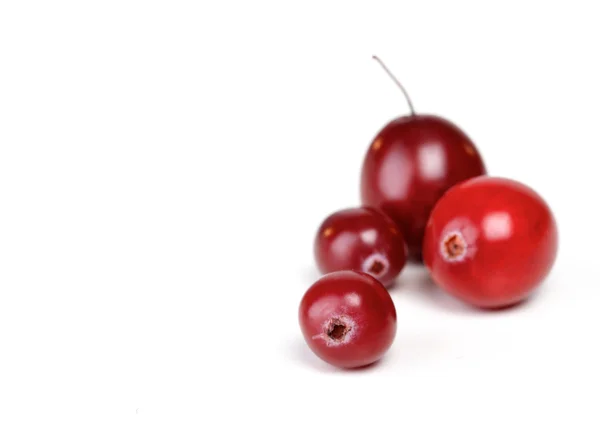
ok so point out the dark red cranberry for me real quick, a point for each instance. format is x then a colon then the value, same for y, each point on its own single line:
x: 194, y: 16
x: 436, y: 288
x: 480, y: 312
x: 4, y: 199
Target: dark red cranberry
x: 411, y: 162
x: 348, y: 319
x: 361, y: 239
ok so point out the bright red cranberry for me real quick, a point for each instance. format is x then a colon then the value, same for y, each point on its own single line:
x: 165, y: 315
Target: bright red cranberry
x: 361, y: 239
x: 348, y: 319
x: 490, y: 241
x: 411, y: 163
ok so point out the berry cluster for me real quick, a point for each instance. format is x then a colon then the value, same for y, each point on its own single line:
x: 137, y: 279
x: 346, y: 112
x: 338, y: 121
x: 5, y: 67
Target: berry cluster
x: 426, y: 197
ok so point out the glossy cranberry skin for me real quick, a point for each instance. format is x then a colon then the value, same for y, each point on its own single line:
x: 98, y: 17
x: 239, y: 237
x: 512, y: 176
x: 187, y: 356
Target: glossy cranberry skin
x: 490, y: 242
x: 408, y: 167
x: 361, y: 239
x: 348, y: 319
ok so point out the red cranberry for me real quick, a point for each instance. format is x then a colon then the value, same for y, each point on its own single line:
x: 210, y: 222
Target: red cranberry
x: 490, y: 241
x: 361, y: 239
x: 348, y: 319
x: 411, y: 163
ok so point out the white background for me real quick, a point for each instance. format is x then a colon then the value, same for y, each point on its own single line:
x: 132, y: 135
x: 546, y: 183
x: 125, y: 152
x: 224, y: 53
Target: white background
x: 164, y: 166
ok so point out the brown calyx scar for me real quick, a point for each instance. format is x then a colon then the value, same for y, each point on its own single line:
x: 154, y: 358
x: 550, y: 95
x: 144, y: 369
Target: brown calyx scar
x: 454, y: 246
x: 376, y: 267
x: 337, y: 329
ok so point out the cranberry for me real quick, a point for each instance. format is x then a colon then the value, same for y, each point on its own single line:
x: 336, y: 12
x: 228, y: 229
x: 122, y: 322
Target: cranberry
x: 361, y: 239
x: 348, y: 319
x: 411, y: 162
x: 490, y: 241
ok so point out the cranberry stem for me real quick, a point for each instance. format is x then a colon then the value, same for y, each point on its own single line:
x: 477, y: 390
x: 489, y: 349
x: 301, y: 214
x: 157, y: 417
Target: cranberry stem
x: 410, y: 105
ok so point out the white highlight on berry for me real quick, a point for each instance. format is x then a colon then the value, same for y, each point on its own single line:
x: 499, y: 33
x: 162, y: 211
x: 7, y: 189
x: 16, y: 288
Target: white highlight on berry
x: 395, y: 182
x: 352, y: 299
x: 432, y: 161
x: 376, y: 260
x: 369, y: 236
x: 342, y: 242
x: 497, y: 226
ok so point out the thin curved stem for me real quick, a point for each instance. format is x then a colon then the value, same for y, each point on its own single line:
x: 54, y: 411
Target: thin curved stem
x: 409, y: 101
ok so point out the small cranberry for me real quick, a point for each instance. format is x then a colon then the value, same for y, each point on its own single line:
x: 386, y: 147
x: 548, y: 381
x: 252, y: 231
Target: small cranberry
x: 490, y: 241
x: 361, y: 239
x: 348, y: 319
